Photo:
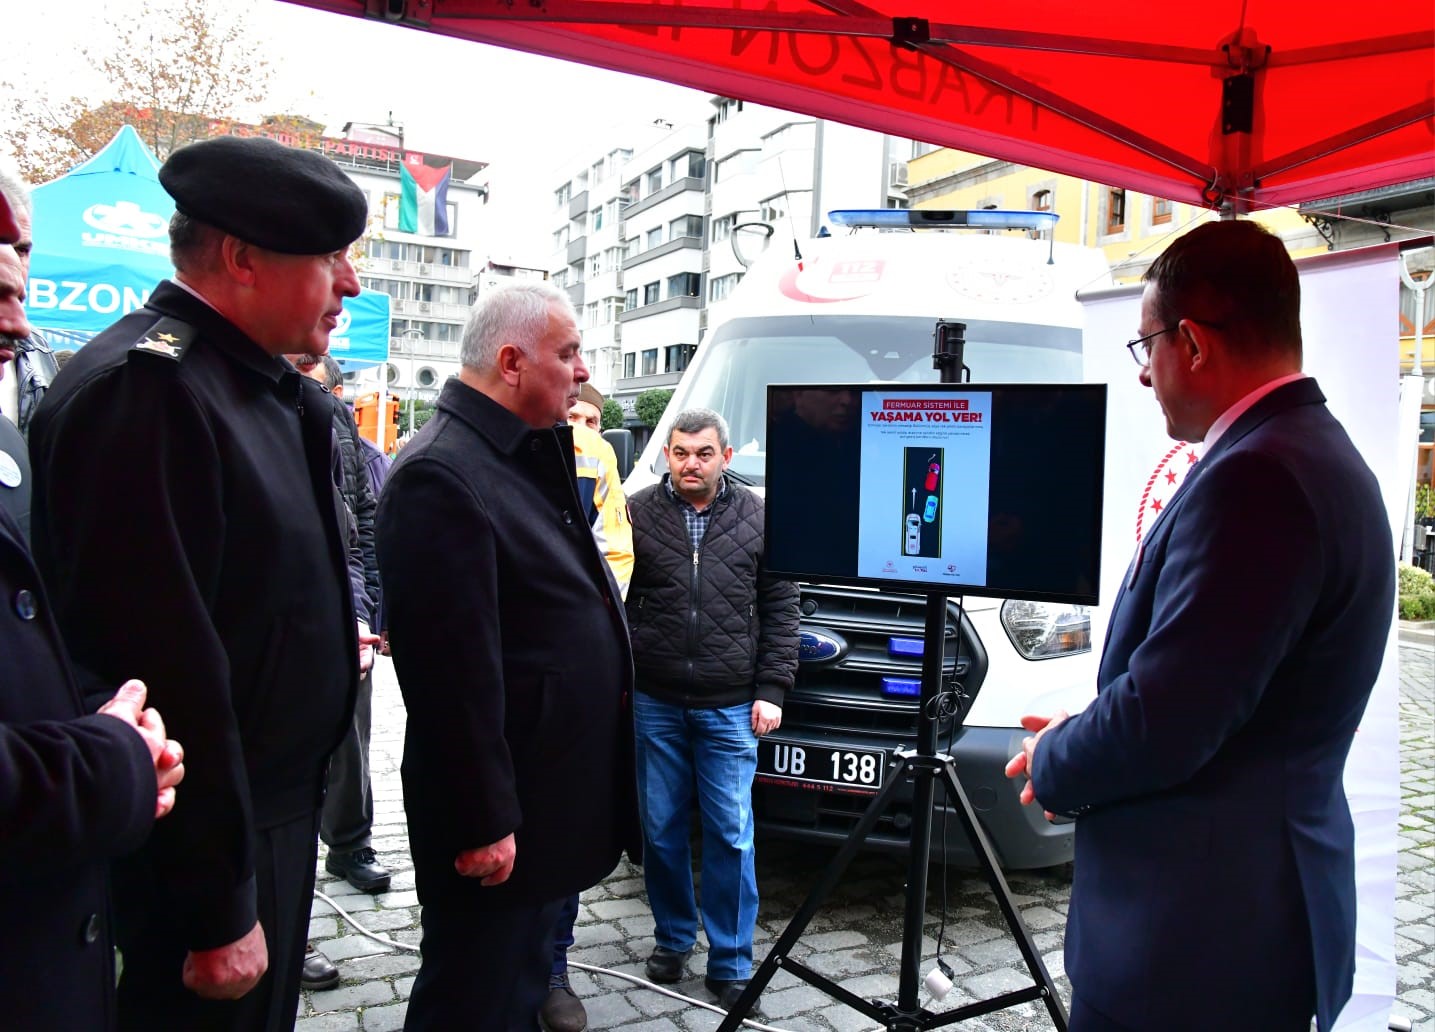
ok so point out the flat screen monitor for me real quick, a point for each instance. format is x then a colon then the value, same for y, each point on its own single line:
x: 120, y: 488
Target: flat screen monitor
x: 982, y: 489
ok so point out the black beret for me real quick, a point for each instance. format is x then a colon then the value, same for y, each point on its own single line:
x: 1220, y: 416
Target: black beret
x: 279, y: 198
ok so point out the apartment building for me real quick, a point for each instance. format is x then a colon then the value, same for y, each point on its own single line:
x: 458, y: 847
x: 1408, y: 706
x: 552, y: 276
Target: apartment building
x: 645, y: 230
x: 429, y: 277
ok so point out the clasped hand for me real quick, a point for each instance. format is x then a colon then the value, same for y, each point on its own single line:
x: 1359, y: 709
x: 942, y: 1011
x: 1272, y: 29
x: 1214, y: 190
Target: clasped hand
x: 1021, y: 763
x: 128, y: 706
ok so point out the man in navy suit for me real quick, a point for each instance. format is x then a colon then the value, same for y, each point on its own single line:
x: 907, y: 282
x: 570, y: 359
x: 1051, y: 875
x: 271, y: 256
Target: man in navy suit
x: 1214, y: 881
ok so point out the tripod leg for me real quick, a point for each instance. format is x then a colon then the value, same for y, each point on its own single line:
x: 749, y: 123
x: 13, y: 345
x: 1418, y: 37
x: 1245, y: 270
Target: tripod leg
x: 986, y: 858
x: 826, y: 882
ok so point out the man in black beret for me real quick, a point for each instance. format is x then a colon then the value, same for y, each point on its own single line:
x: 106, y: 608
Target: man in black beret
x: 225, y: 584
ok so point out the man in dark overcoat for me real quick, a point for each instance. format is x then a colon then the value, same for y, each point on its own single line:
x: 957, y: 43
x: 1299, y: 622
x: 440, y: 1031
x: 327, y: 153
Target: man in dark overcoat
x: 75, y: 790
x: 224, y: 583
x: 508, y: 637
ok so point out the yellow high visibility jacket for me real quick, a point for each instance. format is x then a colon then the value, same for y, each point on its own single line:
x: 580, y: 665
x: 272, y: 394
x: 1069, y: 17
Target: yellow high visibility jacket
x: 602, y: 495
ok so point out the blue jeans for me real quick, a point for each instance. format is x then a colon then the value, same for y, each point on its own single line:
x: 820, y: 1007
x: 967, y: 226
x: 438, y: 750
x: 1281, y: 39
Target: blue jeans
x: 710, y: 754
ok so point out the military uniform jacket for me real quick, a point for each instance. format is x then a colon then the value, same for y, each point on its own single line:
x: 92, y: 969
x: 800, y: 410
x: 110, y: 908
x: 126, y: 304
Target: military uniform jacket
x: 75, y: 791
x: 508, y: 637
x: 190, y: 528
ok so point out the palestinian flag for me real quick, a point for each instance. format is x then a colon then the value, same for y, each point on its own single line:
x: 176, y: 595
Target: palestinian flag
x: 423, y: 200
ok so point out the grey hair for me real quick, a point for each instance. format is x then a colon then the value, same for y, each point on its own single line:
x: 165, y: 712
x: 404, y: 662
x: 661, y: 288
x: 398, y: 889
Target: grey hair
x: 516, y: 314
x: 695, y: 421
x: 17, y: 193
x: 193, y: 245
x: 333, y: 372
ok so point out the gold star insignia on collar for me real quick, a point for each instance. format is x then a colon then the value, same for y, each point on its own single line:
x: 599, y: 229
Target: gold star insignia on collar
x: 168, y: 338
x: 161, y: 345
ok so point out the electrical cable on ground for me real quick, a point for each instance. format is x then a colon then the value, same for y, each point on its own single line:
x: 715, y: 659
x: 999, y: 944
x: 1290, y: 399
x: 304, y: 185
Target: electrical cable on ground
x: 590, y: 968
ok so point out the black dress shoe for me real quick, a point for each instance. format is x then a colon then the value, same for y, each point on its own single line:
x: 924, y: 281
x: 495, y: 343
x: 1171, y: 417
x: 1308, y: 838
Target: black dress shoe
x: 727, y: 993
x: 665, y: 966
x: 319, y: 972
x: 360, y: 868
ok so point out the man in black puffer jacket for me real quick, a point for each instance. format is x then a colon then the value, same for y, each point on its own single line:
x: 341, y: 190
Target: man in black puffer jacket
x: 715, y: 650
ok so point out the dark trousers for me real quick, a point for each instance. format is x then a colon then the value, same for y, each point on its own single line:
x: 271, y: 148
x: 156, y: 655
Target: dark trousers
x: 349, y: 803
x: 151, y: 993
x: 484, y: 967
x: 563, y: 937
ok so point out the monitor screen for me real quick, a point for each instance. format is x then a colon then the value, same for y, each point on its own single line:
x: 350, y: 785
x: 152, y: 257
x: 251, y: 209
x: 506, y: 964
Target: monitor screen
x: 983, y: 489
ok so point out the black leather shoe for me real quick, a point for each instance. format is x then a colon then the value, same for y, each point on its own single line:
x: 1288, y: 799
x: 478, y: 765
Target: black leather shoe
x: 665, y: 966
x: 728, y: 992
x: 319, y: 972
x: 562, y: 1011
x: 360, y: 868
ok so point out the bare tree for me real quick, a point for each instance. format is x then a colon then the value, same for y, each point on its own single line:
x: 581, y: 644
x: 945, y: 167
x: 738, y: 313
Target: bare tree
x: 178, y: 71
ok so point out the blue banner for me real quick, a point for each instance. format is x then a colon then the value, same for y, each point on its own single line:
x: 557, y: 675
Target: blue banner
x: 361, y: 339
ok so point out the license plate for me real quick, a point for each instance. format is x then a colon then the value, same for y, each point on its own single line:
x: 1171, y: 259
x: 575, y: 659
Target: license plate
x: 819, y: 768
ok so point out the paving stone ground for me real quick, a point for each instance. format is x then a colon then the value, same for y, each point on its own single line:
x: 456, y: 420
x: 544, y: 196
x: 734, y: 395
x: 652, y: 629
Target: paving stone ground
x: 856, y: 939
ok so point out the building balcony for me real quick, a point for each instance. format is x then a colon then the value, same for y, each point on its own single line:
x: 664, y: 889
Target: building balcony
x: 635, y: 385
x: 672, y: 304
x: 387, y: 267
x: 577, y: 250
x: 681, y: 243
x: 576, y: 293
x: 419, y: 350
x: 578, y: 205
x: 429, y: 309
x: 674, y: 188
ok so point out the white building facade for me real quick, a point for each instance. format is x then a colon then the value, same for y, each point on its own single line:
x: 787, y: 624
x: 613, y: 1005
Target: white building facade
x: 644, y: 236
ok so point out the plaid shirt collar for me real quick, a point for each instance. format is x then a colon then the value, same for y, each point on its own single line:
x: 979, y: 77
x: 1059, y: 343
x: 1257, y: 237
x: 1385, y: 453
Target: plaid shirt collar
x: 697, y: 521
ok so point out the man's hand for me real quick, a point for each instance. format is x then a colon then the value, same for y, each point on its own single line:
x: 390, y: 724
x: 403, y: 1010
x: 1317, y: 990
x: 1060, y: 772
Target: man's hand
x: 1021, y: 763
x: 166, y: 754
x: 368, y: 641
x: 765, y: 717
x: 227, y: 973
x: 492, y: 864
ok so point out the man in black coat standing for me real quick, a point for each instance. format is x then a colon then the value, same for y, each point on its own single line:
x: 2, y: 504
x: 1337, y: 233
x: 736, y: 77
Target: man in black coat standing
x: 507, y: 633
x: 75, y: 790
x: 225, y: 585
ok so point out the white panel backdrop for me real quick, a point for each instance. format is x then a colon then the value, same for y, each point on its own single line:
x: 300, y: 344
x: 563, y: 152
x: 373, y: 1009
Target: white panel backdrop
x: 1348, y: 316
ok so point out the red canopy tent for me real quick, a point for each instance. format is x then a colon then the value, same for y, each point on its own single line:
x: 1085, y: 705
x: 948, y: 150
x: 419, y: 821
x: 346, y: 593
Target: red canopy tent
x: 1235, y: 103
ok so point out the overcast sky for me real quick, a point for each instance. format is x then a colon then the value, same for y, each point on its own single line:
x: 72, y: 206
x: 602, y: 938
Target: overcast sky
x: 526, y: 115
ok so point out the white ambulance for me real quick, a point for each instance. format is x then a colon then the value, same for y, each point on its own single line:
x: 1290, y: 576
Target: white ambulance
x: 861, y: 306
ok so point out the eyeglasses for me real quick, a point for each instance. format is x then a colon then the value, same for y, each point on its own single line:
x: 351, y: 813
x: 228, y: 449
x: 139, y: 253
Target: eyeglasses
x: 1140, y: 348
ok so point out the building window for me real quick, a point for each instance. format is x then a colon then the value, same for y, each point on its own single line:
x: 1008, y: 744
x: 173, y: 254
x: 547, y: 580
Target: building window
x: 1041, y: 200
x: 596, y: 215
x: 630, y: 300
x: 688, y: 164
x: 654, y: 238
x: 720, y: 288
x: 427, y: 377
x: 1160, y: 211
x: 722, y: 227
x: 650, y: 293
x: 685, y: 284
x: 1115, y: 211
x: 655, y: 181
x: 773, y: 209
x: 650, y: 361
x: 685, y: 226
x: 676, y: 357
x: 630, y: 364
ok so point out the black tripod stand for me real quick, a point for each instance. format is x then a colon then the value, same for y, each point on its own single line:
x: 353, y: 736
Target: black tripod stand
x: 925, y: 766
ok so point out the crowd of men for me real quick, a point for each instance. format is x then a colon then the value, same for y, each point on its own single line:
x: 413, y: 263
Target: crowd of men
x: 582, y: 672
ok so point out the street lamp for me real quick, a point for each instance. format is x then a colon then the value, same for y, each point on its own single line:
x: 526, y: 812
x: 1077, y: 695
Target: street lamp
x: 412, y: 335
